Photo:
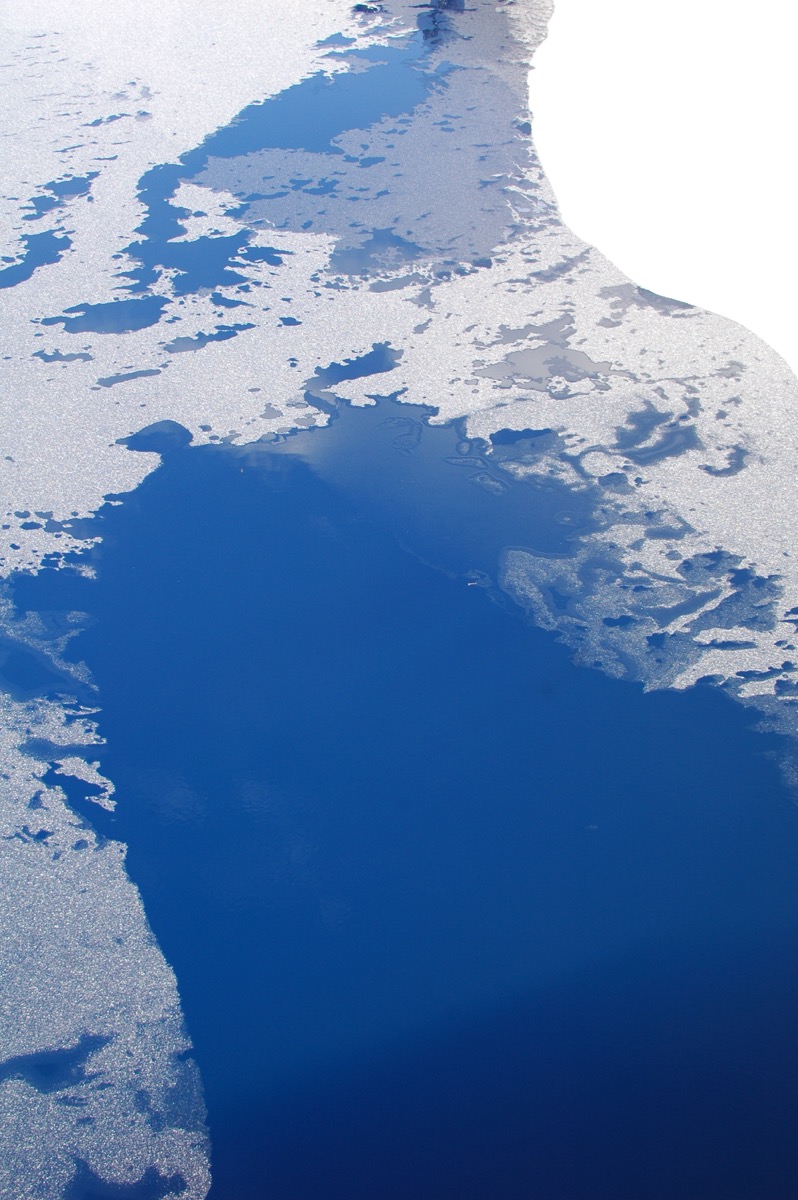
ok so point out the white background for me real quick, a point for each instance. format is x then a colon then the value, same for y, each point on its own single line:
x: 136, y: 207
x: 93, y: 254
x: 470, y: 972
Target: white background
x: 669, y: 131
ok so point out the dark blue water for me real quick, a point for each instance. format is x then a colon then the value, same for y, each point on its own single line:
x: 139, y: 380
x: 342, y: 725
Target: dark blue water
x: 451, y: 917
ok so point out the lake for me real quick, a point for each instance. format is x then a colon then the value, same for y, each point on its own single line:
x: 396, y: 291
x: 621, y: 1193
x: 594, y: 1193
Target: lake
x: 450, y: 915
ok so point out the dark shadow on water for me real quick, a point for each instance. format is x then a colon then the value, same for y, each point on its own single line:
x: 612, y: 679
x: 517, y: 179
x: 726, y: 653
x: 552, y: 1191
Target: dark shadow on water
x: 450, y: 916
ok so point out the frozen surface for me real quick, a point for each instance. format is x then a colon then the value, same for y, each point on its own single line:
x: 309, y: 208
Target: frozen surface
x: 414, y: 213
x: 234, y: 234
x: 96, y: 1077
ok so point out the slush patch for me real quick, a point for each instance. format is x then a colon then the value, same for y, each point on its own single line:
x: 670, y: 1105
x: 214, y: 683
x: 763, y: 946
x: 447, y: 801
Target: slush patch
x: 735, y: 462
x: 125, y: 377
x: 674, y: 440
x: 57, y: 356
x: 382, y: 250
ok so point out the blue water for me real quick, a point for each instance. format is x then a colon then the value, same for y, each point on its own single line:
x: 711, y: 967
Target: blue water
x: 308, y: 116
x: 116, y: 316
x: 450, y: 916
x: 390, y: 81
x: 311, y: 114
x: 41, y: 250
x: 57, y: 193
